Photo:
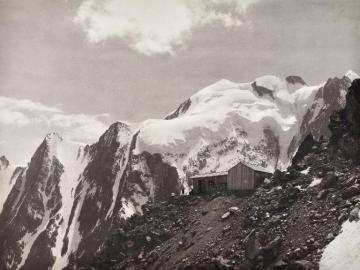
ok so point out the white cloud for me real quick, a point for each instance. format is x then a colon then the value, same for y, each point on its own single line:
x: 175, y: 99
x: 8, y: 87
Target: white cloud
x: 77, y: 127
x: 156, y: 26
x: 80, y: 127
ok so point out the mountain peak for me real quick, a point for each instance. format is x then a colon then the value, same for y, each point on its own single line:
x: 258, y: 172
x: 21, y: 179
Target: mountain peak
x: 294, y: 79
x: 270, y: 82
x: 352, y: 75
x: 4, y: 163
x: 116, y: 131
x: 53, y: 136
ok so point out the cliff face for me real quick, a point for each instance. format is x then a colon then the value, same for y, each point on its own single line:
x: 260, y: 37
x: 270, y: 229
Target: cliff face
x: 29, y: 214
x: 345, y: 126
x: 114, y: 186
x: 330, y: 98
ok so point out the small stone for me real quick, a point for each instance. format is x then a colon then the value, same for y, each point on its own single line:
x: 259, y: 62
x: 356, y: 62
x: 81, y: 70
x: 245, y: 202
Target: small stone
x: 280, y: 265
x: 225, y: 216
x: 141, y: 255
x: 226, y: 228
x: 330, y: 236
x: 354, y: 214
x: 275, y: 220
x: 233, y: 209
x: 329, y: 181
x: 342, y: 218
x: 322, y: 194
x: 148, y: 238
x: 301, y: 265
x: 351, y: 192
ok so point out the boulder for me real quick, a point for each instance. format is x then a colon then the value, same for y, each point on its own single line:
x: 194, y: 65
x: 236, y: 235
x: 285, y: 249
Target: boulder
x: 300, y: 265
x: 350, y: 192
x: 329, y: 181
x: 271, y: 250
x: 252, y: 246
x: 354, y: 214
x: 225, y: 215
x: 322, y: 194
x: 233, y: 209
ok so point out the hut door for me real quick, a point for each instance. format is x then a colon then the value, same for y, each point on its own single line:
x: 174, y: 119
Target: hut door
x: 201, y: 185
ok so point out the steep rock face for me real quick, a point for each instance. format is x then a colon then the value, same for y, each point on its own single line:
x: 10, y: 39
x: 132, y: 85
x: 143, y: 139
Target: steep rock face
x: 342, y: 252
x: 114, y: 186
x: 33, y: 200
x: 293, y: 79
x: 330, y: 98
x: 345, y: 126
x: 8, y: 175
x: 34, y: 214
x: 68, y: 198
x: 179, y: 111
x: 97, y: 192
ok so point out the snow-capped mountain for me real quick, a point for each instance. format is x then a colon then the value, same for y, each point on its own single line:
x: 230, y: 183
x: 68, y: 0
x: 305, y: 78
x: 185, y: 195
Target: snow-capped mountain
x: 35, y: 214
x: 68, y: 198
x: 260, y: 123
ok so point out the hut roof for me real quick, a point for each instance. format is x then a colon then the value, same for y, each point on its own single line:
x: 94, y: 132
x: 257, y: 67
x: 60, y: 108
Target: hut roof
x: 213, y: 174
x: 209, y: 174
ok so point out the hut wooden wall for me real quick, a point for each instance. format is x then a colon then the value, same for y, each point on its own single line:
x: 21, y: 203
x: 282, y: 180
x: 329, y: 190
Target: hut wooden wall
x: 195, y: 184
x: 241, y: 177
x: 209, y: 184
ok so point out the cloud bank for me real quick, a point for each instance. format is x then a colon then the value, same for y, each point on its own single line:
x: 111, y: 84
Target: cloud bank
x: 76, y: 127
x: 156, y: 26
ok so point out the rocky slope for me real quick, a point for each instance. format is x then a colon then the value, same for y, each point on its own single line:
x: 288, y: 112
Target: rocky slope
x: 304, y: 218
x: 69, y: 198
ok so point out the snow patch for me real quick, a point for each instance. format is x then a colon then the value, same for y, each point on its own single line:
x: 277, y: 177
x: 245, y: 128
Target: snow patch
x: 306, y: 171
x: 270, y: 82
x: 316, y: 181
x: 343, y: 251
x: 352, y: 75
x: 74, y: 165
x: 124, y: 138
x: 127, y: 209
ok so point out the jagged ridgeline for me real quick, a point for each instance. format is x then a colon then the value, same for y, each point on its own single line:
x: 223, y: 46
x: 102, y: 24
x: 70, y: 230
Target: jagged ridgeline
x: 59, y: 209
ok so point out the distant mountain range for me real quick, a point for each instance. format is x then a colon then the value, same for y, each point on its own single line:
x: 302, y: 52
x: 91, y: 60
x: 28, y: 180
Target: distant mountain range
x: 58, y: 209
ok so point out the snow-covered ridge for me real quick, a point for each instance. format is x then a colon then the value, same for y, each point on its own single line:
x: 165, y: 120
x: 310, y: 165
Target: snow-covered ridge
x: 233, y: 119
x: 343, y: 251
x: 352, y: 75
